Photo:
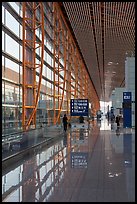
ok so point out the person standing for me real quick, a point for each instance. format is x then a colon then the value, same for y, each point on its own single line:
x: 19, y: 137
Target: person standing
x: 65, y: 122
x: 81, y: 119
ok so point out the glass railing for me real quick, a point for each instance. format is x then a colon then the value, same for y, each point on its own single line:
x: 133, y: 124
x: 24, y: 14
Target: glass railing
x: 16, y: 142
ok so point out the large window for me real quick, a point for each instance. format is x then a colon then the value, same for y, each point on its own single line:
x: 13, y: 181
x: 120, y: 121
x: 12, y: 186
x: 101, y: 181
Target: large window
x: 14, y: 26
x: 15, y: 6
x: 12, y: 47
x: 12, y: 63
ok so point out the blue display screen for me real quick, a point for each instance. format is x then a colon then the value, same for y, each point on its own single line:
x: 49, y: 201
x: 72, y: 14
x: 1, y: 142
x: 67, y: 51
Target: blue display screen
x: 79, y: 107
x: 126, y: 96
x: 127, y: 110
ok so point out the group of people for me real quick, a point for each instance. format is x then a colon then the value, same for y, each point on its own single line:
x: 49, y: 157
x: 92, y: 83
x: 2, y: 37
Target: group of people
x: 65, y: 121
x: 81, y: 120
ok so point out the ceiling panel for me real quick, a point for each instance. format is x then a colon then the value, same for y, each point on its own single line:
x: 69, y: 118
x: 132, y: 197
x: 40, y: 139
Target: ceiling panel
x: 105, y: 33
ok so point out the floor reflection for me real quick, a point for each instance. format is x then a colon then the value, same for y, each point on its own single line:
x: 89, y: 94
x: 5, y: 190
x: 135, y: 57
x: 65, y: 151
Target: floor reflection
x: 57, y: 173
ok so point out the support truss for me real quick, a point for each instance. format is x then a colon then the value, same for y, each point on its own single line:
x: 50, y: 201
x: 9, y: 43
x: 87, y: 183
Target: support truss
x: 60, y: 46
x: 33, y: 21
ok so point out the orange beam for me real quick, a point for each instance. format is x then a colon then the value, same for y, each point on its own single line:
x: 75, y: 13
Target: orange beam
x: 30, y: 65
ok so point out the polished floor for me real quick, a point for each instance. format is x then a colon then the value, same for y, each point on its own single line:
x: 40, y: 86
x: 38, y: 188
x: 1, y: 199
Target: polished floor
x: 95, y: 164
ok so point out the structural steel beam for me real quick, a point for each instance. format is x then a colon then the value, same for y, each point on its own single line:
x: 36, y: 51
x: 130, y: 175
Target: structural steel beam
x: 30, y: 89
x: 60, y: 47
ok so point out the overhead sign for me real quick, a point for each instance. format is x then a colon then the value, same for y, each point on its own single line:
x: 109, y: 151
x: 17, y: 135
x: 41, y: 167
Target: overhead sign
x: 79, y: 107
x: 126, y: 96
x: 127, y: 110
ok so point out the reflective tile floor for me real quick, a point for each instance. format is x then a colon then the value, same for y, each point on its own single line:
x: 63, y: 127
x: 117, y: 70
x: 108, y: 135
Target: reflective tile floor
x: 85, y: 165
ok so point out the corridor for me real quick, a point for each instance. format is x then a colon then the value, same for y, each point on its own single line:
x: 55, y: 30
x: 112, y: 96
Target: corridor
x: 95, y: 164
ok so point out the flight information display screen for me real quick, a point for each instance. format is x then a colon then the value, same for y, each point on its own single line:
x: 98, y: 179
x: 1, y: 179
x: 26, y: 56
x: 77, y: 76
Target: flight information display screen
x: 79, y: 107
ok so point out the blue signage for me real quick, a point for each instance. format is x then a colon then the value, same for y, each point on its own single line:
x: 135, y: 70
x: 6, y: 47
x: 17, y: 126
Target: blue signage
x: 126, y: 96
x: 79, y: 107
x: 127, y: 112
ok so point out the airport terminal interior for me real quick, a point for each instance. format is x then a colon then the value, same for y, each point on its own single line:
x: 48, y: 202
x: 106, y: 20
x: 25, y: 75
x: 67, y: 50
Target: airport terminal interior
x: 68, y: 102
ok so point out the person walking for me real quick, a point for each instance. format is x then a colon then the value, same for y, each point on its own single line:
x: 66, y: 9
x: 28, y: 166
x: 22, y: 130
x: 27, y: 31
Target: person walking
x: 118, y: 120
x: 65, y: 122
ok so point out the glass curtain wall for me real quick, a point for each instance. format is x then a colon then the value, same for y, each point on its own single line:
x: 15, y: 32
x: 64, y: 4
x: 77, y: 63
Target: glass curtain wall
x: 12, y: 68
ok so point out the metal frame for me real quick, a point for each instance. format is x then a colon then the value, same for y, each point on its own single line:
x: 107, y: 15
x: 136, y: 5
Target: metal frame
x: 71, y: 92
x: 59, y: 44
x: 30, y: 45
x: 64, y: 49
x: 68, y: 85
